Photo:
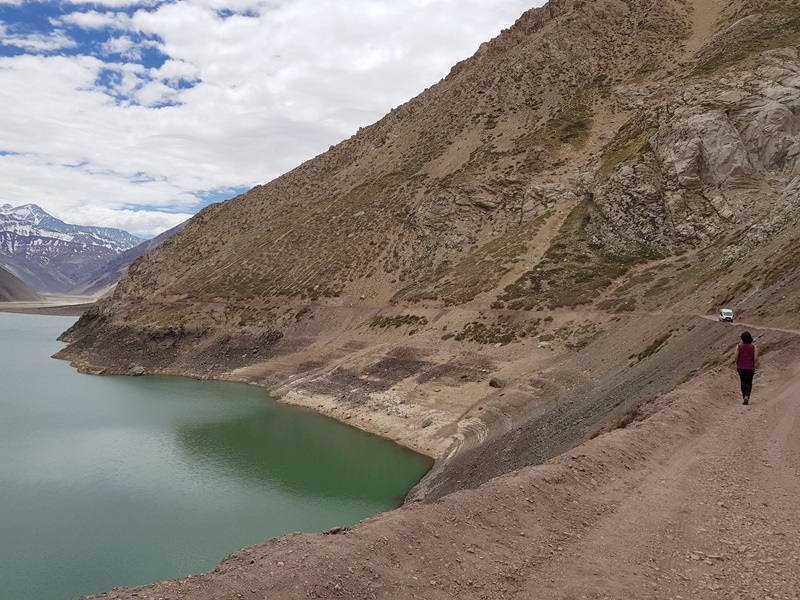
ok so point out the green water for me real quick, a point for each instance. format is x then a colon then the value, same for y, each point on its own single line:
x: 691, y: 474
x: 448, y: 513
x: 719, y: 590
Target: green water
x: 120, y: 481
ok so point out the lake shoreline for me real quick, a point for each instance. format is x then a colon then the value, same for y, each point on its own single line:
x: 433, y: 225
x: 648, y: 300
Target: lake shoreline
x: 367, y: 420
x: 100, y: 453
x: 75, y: 309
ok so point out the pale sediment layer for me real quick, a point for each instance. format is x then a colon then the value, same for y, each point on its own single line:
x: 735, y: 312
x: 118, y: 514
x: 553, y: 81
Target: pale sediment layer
x: 66, y: 306
x: 389, y: 417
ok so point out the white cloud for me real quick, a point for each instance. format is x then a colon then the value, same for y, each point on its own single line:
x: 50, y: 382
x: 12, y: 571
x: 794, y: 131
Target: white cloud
x: 174, y: 71
x: 116, y: 3
x: 236, y: 100
x: 144, y: 222
x: 93, y: 19
x: 38, y: 42
x: 124, y: 46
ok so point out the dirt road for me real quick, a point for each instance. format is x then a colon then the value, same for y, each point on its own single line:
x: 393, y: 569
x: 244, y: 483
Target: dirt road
x: 698, y: 501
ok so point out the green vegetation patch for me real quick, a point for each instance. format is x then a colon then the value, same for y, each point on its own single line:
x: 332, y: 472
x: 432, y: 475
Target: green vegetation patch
x: 631, y: 141
x: 500, y: 331
x: 386, y: 322
x: 570, y: 123
x: 689, y: 272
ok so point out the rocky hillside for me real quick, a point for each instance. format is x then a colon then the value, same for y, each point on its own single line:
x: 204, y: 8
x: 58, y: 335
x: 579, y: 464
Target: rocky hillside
x: 512, y: 258
x: 53, y: 256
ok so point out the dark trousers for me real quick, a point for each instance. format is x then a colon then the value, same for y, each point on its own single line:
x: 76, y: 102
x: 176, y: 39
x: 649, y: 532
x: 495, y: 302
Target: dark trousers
x: 746, y: 379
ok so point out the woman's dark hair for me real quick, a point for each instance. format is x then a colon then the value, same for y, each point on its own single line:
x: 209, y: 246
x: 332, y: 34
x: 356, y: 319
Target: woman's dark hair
x: 747, y: 338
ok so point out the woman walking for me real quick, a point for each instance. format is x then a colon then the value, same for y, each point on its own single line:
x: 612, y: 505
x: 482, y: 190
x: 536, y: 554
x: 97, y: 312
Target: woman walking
x: 746, y: 359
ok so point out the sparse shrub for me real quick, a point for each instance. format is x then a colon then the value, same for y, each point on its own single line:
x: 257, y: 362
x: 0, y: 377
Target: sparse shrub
x: 618, y: 305
x: 500, y: 331
x: 483, y: 333
x: 631, y: 141
x: 385, y: 321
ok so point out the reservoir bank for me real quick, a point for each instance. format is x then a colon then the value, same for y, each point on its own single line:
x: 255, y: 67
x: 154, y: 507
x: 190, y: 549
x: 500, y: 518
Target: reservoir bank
x: 120, y: 481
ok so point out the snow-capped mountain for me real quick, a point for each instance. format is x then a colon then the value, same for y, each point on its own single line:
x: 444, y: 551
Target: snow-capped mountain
x: 31, y: 220
x: 51, y: 255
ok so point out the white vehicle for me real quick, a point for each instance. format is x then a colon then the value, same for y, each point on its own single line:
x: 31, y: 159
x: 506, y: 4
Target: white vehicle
x: 726, y: 314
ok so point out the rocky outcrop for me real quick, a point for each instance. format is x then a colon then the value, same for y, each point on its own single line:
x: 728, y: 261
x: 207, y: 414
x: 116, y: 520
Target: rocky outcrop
x: 718, y: 156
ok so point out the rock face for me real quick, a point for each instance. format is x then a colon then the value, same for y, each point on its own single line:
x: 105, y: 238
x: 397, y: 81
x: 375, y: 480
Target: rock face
x: 721, y: 154
x: 53, y: 256
x: 599, y: 157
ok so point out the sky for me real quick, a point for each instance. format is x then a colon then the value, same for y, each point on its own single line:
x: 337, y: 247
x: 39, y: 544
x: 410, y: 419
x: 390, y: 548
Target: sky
x: 136, y: 114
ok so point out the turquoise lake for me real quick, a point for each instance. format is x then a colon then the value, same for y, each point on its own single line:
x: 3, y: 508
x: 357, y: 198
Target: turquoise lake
x: 120, y: 481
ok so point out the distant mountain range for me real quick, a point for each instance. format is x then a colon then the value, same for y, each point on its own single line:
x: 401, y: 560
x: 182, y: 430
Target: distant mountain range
x: 52, y: 256
x: 102, y: 282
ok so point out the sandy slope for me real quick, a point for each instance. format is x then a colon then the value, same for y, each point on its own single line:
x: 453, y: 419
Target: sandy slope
x: 70, y: 306
x: 698, y: 501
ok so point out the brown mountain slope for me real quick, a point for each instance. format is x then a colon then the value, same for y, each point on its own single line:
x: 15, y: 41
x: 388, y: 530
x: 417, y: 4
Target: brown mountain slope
x: 514, y: 257
x: 436, y: 178
x: 438, y: 199
x: 12, y: 289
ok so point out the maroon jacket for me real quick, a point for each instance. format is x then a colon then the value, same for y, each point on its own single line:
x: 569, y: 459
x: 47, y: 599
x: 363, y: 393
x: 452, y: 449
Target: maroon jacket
x: 747, y: 357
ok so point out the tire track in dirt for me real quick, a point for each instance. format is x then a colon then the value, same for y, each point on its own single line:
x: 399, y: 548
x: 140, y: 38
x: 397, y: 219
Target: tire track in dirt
x: 702, y: 522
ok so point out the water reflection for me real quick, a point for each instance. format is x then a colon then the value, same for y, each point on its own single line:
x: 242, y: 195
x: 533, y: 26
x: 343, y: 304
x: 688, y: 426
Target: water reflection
x: 306, y: 455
